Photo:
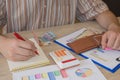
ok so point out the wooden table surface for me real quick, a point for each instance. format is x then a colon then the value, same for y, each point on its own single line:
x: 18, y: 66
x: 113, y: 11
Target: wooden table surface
x: 60, y: 31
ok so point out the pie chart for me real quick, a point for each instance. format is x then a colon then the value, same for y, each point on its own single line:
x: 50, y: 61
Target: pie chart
x: 83, y: 72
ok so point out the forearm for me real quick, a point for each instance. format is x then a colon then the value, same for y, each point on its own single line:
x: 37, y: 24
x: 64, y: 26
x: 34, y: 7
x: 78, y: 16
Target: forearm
x: 108, y: 20
x: 2, y: 38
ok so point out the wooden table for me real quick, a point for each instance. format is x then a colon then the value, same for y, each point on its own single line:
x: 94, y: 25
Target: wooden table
x: 60, y: 31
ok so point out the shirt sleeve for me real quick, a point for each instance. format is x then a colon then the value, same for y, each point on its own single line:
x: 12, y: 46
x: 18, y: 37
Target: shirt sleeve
x: 88, y: 9
x: 3, y: 18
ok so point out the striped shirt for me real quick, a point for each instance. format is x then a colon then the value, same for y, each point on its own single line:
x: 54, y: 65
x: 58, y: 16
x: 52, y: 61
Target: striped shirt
x: 19, y: 15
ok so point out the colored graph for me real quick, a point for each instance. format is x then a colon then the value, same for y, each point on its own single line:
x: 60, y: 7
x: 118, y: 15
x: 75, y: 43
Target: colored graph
x: 83, y: 72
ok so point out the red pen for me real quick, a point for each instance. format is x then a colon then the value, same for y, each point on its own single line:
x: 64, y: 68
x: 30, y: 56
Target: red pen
x: 18, y: 36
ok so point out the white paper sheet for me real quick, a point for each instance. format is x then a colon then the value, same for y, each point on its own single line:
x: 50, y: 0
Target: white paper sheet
x: 86, y: 70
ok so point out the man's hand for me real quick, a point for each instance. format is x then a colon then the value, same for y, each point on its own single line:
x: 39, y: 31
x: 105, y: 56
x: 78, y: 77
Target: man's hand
x: 111, y: 39
x: 17, y: 50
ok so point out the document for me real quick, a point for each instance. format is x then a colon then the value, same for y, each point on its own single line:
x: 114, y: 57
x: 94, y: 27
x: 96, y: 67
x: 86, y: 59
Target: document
x: 85, y: 71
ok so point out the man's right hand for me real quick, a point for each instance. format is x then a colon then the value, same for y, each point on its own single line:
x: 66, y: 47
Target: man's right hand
x: 15, y: 49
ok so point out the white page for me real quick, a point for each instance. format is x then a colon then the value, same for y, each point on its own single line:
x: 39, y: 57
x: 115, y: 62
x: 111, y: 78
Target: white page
x: 95, y: 73
x: 106, y: 58
x: 86, y: 64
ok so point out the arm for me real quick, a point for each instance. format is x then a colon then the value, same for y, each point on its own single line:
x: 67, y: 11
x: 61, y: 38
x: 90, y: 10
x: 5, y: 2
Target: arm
x: 97, y: 9
x: 112, y: 37
x: 107, y: 20
x: 11, y: 48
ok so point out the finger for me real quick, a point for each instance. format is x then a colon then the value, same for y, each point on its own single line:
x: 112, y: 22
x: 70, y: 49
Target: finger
x: 18, y: 57
x: 30, y: 42
x: 104, y: 41
x: 25, y: 52
x: 27, y: 45
x: 117, y: 43
x: 111, y: 41
x: 118, y: 48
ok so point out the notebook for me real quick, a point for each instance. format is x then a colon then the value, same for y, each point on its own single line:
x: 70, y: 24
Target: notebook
x: 38, y: 60
x: 86, y: 71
